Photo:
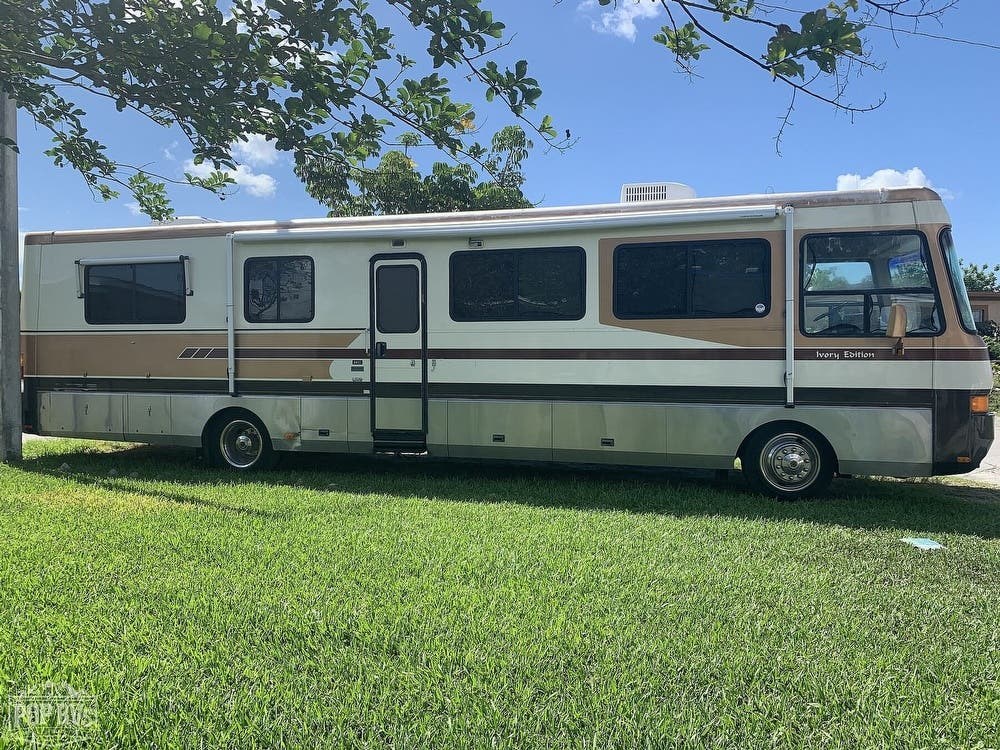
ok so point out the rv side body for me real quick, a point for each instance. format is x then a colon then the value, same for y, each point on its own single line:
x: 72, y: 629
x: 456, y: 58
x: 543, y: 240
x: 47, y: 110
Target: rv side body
x: 523, y: 335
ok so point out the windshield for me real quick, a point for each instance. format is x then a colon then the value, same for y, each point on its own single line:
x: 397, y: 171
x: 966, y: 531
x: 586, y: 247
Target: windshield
x: 958, y: 282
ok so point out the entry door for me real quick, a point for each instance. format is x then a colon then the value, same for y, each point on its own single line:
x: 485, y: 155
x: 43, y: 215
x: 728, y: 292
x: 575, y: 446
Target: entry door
x: 398, y: 350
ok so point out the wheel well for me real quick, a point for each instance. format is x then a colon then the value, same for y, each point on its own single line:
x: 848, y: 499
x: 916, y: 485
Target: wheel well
x: 229, y: 412
x: 804, y: 429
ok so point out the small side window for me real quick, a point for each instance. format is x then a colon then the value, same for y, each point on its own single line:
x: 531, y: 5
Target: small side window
x: 279, y: 290
x: 143, y: 293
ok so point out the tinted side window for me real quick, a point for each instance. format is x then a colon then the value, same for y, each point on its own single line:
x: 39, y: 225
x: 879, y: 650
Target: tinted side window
x: 650, y: 281
x: 135, y: 293
x: 550, y: 284
x: 397, y: 299
x: 729, y: 280
x: 279, y: 290
x: 530, y: 284
x: 712, y: 279
x: 483, y: 286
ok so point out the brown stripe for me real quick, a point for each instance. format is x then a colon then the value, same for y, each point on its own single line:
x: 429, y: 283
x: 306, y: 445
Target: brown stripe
x: 712, y: 354
x: 911, y: 354
x: 883, y: 354
x: 980, y: 354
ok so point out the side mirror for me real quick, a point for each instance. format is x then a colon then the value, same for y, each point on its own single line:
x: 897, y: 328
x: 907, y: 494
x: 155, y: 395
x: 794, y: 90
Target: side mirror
x: 897, y: 322
x: 897, y: 327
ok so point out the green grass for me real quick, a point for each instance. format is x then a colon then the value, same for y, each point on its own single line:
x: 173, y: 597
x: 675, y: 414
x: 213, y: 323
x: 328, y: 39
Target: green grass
x: 360, y: 603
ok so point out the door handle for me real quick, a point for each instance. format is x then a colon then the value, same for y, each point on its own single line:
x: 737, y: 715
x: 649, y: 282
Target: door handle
x: 380, y: 348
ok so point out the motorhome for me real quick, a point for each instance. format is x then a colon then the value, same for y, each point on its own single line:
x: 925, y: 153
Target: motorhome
x: 804, y: 335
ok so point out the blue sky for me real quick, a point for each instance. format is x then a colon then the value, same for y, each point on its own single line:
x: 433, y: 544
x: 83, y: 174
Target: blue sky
x: 637, y: 119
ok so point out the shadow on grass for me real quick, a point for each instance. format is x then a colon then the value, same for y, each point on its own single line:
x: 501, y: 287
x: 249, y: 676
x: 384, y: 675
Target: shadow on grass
x: 924, y: 506
x: 145, y: 464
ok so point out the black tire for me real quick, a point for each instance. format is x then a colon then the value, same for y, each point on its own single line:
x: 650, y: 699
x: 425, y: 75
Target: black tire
x: 239, y: 441
x: 787, y: 462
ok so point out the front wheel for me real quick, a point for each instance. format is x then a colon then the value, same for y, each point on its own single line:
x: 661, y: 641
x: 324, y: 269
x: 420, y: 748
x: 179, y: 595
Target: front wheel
x: 787, y: 463
x: 240, y: 442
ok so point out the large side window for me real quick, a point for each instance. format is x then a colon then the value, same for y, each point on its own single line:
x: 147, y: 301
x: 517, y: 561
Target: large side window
x: 851, y: 280
x: 530, y: 284
x: 125, y: 293
x: 710, y: 279
x: 279, y: 290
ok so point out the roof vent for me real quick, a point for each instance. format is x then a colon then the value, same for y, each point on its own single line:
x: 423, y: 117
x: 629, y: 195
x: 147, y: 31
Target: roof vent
x: 181, y: 220
x: 636, y: 192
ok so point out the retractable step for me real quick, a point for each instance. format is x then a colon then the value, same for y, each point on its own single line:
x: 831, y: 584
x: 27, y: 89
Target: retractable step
x: 400, y: 440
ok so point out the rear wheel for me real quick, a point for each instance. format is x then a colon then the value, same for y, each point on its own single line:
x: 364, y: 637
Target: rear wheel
x: 787, y: 463
x: 240, y: 442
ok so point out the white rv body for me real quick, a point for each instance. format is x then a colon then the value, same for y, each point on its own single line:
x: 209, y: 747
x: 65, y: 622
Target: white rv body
x: 542, y: 372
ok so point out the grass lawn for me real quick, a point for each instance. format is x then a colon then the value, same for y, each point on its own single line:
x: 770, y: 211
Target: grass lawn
x: 360, y: 603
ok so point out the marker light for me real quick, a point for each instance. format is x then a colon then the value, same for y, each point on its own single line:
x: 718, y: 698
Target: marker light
x: 979, y: 404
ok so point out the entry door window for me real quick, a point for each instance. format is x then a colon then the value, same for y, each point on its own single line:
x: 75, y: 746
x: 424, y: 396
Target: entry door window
x: 397, y: 299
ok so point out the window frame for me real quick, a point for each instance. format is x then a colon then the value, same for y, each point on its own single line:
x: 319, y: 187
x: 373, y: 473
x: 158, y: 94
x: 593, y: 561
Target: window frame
x: 133, y: 264
x: 519, y: 253
x: 278, y: 320
x: 932, y: 276
x: 767, y: 267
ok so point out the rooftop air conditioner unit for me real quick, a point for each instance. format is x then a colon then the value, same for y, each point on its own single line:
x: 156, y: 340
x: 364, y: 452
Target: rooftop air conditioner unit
x: 636, y: 192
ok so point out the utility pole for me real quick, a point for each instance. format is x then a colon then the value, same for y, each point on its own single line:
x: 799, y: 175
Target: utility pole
x: 10, y: 289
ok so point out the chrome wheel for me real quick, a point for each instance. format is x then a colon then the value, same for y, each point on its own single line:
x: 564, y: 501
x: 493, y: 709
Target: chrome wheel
x: 241, y: 444
x: 790, y: 462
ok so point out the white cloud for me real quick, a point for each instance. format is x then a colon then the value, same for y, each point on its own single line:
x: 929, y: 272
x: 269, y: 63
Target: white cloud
x: 256, y: 150
x: 889, y: 178
x: 133, y: 208
x: 621, y: 17
x: 168, y: 152
x: 258, y: 184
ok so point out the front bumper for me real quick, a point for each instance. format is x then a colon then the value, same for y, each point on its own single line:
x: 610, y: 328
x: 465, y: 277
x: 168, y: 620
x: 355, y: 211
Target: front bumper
x: 977, y: 442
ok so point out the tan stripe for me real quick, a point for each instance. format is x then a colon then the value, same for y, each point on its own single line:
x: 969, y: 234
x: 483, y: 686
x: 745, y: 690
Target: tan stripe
x: 336, y: 339
x: 283, y: 369
x: 159, y: 354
